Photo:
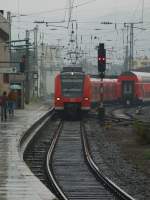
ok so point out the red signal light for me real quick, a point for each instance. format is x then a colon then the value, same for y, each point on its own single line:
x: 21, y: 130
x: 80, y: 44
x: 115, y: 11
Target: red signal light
x: 101, y: 59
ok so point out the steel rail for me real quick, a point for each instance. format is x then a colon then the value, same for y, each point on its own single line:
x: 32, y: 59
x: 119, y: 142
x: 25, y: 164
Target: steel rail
x: 99, y: 174
x: 49, y: 169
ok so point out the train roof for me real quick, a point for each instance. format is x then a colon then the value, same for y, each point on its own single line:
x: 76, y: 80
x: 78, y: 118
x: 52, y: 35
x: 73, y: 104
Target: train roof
x: 135, y: 73
x: 138, y: 75
x: 141, y: 74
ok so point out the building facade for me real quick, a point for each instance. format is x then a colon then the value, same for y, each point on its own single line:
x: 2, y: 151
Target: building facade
x: 4, y: 51
x: 50, y: 62
x: 141, y: 62
x: 10, y: 78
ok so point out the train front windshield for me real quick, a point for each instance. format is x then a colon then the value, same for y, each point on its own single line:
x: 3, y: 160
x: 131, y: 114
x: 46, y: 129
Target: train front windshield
x: 72, y: 85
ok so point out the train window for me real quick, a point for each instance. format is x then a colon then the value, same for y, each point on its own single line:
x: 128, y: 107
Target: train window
x: 127, y: 88
x: 72, y: 85
x: 71, y: 80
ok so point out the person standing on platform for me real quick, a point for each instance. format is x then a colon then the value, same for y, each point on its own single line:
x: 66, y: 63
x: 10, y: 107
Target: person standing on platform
x: 4, y: 100
x: 12, y: 96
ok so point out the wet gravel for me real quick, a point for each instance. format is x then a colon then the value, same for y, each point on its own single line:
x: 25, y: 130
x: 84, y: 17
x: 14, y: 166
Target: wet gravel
x: 109, y: 147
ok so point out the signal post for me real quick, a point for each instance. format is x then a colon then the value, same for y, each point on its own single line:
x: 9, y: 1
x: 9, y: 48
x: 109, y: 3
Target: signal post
x: 101, y: 72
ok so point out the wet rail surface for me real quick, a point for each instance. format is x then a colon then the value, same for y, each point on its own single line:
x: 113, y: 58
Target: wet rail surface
x: 70, y: 169
x: 68, y: 162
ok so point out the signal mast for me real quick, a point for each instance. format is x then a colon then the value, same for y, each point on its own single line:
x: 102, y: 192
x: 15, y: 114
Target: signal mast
x: 101, y: 71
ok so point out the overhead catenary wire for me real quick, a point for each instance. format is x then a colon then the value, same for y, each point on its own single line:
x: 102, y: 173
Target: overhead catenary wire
x: 59, y: 9
x: 104, y: 34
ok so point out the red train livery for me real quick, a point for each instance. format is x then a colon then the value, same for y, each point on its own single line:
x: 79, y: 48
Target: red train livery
x: 72, y: 90
x: 76, y: 91
x: 110, y: 90
x: 134, y: 87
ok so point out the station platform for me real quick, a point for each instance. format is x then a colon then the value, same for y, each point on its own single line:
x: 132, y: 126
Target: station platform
x: 16, y: 180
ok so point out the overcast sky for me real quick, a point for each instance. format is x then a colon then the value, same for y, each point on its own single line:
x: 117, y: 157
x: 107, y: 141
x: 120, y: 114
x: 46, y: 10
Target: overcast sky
x: 100, y: 7
x: 89, y: 15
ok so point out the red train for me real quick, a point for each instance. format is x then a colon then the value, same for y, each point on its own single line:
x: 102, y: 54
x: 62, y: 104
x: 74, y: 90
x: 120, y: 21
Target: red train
x: 76, y: 91
x: 128, y: 88
x: 72, y: 90
x: 110, y: 90
x: 134, y: 87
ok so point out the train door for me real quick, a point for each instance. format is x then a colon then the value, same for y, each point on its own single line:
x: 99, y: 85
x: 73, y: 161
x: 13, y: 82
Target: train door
x: 128, y: 91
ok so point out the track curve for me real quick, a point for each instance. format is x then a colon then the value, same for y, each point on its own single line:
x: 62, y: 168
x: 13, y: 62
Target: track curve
x: 70, y: 169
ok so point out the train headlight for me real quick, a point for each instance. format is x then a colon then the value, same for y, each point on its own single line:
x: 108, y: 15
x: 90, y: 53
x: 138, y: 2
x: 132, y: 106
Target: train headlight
x: 58, y: 98
x: 86, y: 98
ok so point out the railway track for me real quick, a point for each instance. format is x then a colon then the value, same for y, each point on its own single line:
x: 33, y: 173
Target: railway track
x: 69, y: 176
x: 36, y: 150
x: 119, y: 144
x: 68, y: 169
x: 117, y: 115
